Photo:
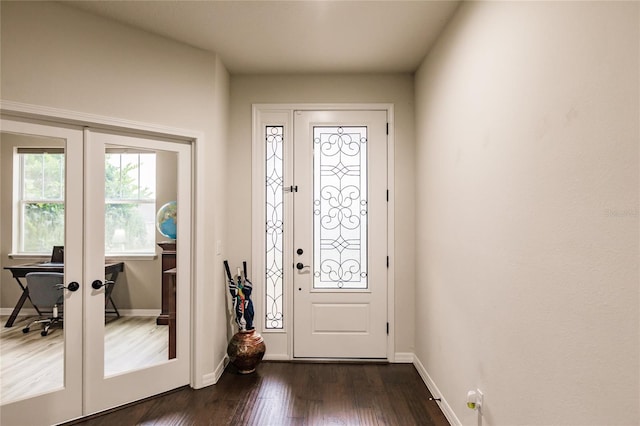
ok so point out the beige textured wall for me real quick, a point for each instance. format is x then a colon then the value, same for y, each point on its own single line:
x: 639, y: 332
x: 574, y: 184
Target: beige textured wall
x: 57, y: 56
x: 396, y: 89
x: 527, y: 197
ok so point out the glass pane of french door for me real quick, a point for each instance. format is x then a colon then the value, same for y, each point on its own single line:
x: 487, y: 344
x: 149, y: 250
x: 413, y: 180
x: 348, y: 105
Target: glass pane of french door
x: 138, y: 183
x: 41, y: 190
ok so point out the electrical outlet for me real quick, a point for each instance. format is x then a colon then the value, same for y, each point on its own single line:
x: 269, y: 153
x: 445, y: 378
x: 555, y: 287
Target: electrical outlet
x: 479, y: 399
x: 475, y: 398
x: 471, y: 399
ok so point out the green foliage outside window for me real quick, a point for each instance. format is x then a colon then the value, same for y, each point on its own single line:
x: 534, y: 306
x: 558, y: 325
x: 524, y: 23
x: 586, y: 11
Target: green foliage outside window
x: 125, y: 219
x: 43, y: 227
x: 129, y: 208
x: 43, y: 201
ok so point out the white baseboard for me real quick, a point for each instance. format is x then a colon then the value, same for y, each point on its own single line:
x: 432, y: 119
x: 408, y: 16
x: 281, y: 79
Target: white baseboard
x: 276, y: 357
x: 399, y: 357
x: 431, y: 385
x: 123, y: 312
x: 139, y: 312
x: 219, y: 370
x: 403, y: 358
x: 25, y: 311
x: 208, y: 379
x: 212, y: 378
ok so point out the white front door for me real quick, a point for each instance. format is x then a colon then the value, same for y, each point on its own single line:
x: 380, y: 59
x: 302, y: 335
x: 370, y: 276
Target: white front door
x: 340, y: 234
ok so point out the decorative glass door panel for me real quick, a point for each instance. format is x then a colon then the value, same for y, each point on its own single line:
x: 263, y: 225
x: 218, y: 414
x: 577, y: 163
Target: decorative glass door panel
x: 274, y: 215
x: 340, y: 207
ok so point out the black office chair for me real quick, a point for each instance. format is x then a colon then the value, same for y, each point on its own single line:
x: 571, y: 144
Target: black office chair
x: 46, y: 291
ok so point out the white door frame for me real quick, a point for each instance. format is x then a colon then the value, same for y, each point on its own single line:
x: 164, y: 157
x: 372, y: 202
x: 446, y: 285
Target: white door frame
x: 280, y: 342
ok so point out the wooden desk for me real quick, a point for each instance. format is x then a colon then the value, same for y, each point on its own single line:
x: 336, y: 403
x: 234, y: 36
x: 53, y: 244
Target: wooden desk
x: 171, y: 275
x: 20, y: 271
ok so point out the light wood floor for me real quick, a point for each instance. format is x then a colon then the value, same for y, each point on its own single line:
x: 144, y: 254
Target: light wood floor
x: 31, y: 364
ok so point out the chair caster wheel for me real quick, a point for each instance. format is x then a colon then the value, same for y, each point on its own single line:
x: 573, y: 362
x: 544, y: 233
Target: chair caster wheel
x: 43, y: 333
x: 25, y: 330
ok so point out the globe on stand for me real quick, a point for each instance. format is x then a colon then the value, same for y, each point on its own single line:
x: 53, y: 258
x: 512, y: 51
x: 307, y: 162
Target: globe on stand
x: 166, y: 220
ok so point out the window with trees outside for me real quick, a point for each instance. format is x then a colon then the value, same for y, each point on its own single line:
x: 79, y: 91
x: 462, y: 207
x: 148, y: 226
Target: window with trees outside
x: 130, y: 201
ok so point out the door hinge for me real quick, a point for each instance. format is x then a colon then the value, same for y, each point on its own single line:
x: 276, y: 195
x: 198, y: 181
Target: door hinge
x: 387, y: 195
x: 387, y: 128
x: 387, y: 328
x: 387, y: 261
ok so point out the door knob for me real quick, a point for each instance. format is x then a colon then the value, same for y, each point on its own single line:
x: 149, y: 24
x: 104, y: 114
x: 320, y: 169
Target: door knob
x: 97, y: 284
x: 299, y: 251
x: 299, y: 265
x: 73, y: 286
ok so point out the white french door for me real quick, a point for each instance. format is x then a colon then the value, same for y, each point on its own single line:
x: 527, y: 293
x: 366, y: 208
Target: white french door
x: 107, y: 386
x: 340, y: 234
x: 55, y: 394
x: 86, y: 378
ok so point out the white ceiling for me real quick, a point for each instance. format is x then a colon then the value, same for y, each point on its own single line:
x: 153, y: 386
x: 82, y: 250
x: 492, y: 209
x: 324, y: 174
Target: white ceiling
x: 293, y: 36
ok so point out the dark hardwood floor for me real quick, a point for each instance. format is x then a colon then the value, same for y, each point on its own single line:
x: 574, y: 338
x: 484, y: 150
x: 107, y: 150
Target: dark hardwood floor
x: 282, y: 393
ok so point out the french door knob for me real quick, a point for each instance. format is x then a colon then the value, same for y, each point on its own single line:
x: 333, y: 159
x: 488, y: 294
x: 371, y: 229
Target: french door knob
x: 73, y: 286
x: 97, y: 284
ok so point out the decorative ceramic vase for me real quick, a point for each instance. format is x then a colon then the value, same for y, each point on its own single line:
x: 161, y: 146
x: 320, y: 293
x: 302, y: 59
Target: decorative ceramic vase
x: 245, y: 350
